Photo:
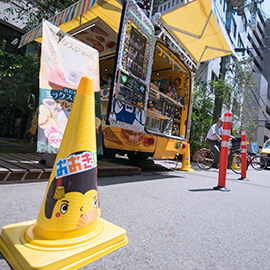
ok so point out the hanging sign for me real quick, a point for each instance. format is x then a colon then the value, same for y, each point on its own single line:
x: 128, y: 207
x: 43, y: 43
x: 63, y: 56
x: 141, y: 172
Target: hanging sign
x: 64, y: 60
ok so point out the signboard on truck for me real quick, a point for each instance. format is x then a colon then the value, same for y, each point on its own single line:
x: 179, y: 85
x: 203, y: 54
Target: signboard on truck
x: 133, y: 70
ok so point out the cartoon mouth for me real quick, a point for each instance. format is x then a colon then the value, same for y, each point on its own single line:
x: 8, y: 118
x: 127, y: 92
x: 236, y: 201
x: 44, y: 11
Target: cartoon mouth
x: 89, y: 216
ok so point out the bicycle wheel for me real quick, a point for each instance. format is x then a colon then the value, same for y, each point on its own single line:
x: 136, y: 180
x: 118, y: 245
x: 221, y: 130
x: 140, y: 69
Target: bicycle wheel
x: 205, y: 159
x: 259, y: 163
x: 235, y: 159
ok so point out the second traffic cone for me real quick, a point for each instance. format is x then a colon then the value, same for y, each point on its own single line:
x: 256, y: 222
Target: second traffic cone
x: 68, y: 233
x: 235, y: 166
x: 186, y: 161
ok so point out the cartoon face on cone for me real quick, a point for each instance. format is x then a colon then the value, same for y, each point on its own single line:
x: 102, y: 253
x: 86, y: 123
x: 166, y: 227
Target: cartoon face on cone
x: 71, y: 202
x: 75, y: 210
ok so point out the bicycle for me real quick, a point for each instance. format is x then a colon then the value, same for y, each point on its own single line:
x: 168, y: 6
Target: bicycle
x: 257, y: 161
x: 205, y: 157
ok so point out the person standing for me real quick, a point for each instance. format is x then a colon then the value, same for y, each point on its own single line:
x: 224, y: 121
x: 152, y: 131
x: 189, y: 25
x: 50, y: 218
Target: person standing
x: 213, y: 140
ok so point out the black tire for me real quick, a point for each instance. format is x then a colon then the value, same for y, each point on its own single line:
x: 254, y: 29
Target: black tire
x: 108, y: 153
x: 259, y: 163
x: 235, y: 162
x: 205, y: 159
x: 134, y: 157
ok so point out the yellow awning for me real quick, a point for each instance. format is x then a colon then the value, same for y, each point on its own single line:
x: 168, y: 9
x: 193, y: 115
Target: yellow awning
x: 199, y: 29
x: 196, y: 26
x: 76, y: 15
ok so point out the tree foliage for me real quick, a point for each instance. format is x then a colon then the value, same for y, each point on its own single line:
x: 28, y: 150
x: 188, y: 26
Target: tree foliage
x: 237, y: 94
x: 245, y: 107
x: 18, y: 79
x: 32, y: 12
x: 203, y: 107
x: 19, y: 74
x: 222, y: 91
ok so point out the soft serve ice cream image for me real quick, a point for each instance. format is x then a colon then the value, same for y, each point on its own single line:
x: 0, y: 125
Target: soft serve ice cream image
x: 73, y: 66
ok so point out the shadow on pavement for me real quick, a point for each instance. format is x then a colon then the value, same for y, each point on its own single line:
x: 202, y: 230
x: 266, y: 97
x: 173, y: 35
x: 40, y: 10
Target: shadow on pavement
x: 153, y: 167
x: 135, y: 178
x: 3, y: 258
x: 201, y: 189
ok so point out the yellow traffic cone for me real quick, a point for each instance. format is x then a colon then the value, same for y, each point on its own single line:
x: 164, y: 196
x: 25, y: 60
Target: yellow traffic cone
x: 186, y: 161
x: 68, y: 232
x: 236, y: 166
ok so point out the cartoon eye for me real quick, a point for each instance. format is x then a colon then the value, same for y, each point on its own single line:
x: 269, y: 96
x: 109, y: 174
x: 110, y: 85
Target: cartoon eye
x: 64, y: 208
x: 95, y: 203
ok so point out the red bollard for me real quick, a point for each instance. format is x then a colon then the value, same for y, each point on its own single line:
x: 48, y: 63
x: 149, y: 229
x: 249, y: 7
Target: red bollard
x: 244, y: 156
x: 224, y: 153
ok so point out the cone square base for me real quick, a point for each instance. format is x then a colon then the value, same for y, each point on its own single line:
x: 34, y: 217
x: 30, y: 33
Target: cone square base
x: 185, y: 169
x: 22, y: 257
x: 221, y: 188
x: 243, y: 179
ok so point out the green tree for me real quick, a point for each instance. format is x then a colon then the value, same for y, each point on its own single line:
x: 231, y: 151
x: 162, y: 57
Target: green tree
x: 18, y: 79
x: 204, y: 97
x: 19, y: 74
x: 201, y: 117
x: 222, y: 91
x: 33, y: 11
x: 245, y: 107
x: 236, y: 93
x: 218, y: 95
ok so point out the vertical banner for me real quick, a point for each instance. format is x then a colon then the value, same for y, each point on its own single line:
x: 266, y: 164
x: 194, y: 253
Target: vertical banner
x: 64, y: 60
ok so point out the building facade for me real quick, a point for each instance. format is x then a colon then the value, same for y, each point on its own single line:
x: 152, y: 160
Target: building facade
x: 249, y: 32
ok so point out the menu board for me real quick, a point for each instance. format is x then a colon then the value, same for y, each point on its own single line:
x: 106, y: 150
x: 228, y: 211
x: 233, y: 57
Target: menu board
x: 130, y: 90
x: 136, y: 52
x: 132, y: 73
x: 135, y: 55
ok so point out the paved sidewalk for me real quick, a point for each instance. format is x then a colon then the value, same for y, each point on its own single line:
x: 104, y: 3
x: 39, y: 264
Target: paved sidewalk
x: 21, y: 168
x: 174, y: 220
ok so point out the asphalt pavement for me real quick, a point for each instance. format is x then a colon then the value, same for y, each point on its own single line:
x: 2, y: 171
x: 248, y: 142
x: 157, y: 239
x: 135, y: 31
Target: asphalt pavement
x: 173, y: 219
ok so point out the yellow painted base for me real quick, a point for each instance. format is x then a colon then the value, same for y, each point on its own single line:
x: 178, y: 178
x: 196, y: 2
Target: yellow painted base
x: 24, y: 255
x: 185, y: 169
x: 236, y: 167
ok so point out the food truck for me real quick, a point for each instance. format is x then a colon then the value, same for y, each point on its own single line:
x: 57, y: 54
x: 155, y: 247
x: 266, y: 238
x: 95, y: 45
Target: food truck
x: 145, y: 68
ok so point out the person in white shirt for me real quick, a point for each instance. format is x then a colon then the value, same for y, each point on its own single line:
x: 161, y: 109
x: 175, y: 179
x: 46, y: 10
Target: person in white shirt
x: 213, y: 140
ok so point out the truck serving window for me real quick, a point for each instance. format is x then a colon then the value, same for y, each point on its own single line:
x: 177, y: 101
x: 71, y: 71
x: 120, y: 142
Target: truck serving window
x: 169, y: 95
